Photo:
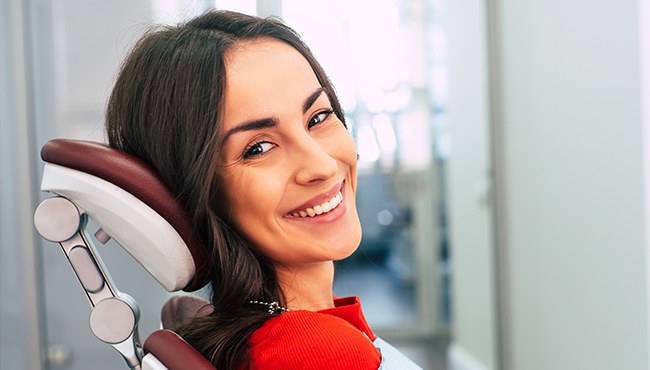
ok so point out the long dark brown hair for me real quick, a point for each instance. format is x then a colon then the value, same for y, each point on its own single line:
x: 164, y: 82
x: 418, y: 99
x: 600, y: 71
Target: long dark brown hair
x: 166, y: 108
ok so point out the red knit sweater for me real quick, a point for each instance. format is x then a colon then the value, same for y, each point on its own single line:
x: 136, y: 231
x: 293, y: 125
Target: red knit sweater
x: 335, y: 338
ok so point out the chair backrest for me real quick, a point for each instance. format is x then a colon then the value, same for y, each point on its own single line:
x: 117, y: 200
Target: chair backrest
x: 180, y: 309
x: 166, y: 346
x: 166, y: 350
x: 130, y: 203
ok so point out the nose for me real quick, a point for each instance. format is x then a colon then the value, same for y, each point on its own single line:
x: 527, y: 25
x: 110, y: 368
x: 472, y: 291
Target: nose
x: 314, y: 162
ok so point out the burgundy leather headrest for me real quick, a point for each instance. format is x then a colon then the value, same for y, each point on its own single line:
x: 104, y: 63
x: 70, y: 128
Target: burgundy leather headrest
x: 140, y: 180
x: 174, y: 352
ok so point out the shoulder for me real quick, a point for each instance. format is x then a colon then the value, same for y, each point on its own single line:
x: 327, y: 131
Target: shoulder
x: 311, y: 340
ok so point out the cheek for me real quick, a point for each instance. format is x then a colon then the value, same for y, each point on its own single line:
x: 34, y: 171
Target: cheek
x: 347, y: 154
x: 237, y: 195
x: 340, y: 145
x: 350, y: 151
x: 252, y: 196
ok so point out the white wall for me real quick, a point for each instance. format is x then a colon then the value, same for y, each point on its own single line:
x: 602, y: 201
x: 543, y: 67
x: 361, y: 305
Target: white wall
x: 474, y: 344
x: 570, y: 115
x: 570, y: 184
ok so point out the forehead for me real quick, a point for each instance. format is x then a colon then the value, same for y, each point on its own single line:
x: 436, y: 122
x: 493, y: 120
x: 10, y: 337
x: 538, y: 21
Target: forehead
x: 262, y: 75
x: 262, y: 55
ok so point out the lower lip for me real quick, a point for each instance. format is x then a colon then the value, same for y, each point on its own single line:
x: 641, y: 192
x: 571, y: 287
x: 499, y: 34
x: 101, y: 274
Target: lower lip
x: 330, y: 216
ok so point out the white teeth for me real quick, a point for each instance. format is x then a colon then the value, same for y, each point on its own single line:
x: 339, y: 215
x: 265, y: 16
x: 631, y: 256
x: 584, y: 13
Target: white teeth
x: 321, y: 208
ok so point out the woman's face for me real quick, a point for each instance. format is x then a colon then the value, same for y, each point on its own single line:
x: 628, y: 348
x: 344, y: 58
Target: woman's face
x: 289, y: 162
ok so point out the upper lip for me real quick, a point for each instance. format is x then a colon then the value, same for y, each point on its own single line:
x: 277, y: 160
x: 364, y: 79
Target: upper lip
x: 320, y: 198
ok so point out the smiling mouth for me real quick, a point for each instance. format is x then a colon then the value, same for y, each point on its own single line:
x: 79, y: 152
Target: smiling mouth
x: 320, y: 208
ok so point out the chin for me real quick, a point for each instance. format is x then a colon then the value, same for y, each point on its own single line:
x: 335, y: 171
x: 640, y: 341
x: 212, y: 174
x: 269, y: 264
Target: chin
x: 346, y: 256
x: 349, y: 246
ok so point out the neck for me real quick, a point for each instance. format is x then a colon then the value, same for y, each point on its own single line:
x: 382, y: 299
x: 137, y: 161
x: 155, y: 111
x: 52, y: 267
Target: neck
x: 307, y: 287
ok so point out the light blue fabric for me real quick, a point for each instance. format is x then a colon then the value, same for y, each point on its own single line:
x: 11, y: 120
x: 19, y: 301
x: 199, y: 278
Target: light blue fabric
x: 392, y: 359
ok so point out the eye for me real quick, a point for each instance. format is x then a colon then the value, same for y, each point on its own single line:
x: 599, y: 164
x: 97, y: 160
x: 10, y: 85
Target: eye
x: 257, y: 149
x: 320, y: 117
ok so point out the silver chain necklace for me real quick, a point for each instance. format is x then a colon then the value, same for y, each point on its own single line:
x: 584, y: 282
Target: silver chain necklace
x: 273, y: 306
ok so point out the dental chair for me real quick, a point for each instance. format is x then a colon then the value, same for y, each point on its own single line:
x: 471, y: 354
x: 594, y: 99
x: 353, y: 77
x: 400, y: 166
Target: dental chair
x: 131, y: 205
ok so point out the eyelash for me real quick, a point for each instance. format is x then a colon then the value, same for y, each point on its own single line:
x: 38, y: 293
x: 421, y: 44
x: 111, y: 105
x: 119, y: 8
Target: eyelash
x: 327, y: 112
x: 248, y: 154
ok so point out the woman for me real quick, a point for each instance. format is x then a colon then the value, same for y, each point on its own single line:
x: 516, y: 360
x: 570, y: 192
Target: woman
x: 243, y: 124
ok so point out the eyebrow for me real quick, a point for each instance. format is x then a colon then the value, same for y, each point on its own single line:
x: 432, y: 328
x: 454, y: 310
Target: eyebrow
x: 262, y: 123
x: 312, y: 99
